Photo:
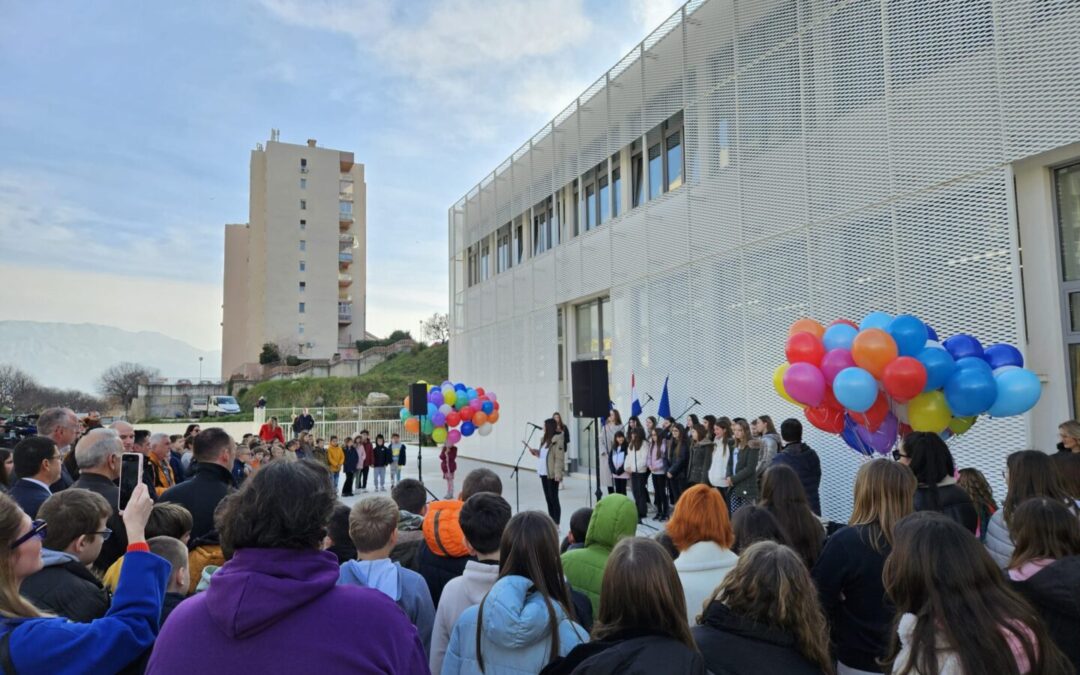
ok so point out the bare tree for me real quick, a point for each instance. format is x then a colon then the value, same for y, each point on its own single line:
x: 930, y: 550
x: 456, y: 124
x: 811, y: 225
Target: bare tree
x: 437, y: 327
x: 120, y: 382
x: 15, y: 385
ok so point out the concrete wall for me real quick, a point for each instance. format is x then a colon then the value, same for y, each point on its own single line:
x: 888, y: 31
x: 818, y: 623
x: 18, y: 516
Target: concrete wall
x: 171, y: 400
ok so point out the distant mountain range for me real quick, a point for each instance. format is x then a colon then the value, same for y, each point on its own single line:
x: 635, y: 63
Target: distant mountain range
x: 73, y: 355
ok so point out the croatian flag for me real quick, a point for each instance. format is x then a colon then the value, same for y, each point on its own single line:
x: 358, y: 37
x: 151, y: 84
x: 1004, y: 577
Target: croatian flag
x: 664, y: 410
x: 635, y: 404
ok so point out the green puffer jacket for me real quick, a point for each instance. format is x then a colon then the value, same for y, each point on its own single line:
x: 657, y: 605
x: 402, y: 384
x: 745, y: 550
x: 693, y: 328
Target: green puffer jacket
x: 614, y: 517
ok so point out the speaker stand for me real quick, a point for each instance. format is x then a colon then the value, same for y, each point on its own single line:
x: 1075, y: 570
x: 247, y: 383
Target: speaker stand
x: 596, y: 439
x: 420, y: 451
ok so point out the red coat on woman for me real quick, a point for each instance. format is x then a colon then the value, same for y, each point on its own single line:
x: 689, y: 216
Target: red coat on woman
x: 269, y: 434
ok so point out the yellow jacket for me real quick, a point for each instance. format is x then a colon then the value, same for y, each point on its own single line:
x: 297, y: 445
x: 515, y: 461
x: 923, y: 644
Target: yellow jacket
x: 336, y: 456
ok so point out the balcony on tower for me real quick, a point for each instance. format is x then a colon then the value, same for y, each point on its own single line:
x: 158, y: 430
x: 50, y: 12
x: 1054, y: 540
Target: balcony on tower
x: 344, y: 312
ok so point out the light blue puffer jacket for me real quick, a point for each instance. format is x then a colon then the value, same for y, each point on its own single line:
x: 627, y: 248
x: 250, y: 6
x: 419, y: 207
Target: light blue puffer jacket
x: 515, y: 638
x: 999, y: 543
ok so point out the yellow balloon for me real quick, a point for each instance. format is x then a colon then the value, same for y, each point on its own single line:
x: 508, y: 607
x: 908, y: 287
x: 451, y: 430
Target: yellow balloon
x: 439, y: 435
x: 778, y: 383
x: 929, y: 412
x: 449, y: 397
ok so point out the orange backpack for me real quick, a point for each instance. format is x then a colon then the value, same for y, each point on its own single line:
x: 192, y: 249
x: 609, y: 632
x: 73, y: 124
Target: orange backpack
x: 442, y: 533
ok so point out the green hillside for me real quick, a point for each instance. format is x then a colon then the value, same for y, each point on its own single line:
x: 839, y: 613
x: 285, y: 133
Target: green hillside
x: 392, y: 377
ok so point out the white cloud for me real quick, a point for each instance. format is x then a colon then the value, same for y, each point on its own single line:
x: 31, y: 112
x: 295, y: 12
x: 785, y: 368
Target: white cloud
x: 649, y: 14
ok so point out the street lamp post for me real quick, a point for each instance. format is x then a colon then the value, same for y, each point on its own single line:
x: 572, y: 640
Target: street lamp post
x: 200, y: 369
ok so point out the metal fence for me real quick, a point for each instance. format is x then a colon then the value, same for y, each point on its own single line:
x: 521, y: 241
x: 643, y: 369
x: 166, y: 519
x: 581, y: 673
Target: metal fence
x: 343, y: 421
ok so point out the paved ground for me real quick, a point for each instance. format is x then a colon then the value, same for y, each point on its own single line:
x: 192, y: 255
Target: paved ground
x: 574, y: 496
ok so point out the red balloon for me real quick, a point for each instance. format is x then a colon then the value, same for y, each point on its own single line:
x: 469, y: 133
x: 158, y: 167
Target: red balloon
x: 904, y: 430
x: 805, y: 348
x: 873, y: 418
x: 496, y: 404
x: 826, y: 419
x: 453, y: 418
x: 904, y: 378
x: 846, y: 323
x: 479, y: 392
x: 466, y: 413
x: 829, y: 401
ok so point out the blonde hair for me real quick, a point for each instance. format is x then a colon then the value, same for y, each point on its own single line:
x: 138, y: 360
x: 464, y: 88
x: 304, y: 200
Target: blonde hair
x: 770, y: 585
x: 1070, y: 428
x: 12, y: 605
x: 884, y: 493
x: 372, y: 522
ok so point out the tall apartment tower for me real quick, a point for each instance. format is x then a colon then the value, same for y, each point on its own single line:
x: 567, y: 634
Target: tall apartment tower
x: 296, y: 273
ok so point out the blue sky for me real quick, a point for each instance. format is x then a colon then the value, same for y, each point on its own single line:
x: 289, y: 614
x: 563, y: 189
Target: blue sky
x: 126, y: 129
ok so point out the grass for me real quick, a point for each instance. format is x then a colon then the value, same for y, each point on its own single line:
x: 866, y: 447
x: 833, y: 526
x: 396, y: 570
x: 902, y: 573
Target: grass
x: 391, y: 377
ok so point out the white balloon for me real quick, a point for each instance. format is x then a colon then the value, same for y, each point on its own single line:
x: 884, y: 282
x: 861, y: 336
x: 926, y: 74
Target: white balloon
x: 901, y: 412
x: 484, y: 430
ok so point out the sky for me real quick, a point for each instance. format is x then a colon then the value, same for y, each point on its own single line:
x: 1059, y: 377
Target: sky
x: 126, y: 130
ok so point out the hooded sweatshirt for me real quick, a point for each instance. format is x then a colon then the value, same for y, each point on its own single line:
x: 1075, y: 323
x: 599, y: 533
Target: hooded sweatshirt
x: 614, y: 517
x: 281, y: 611
x: 460, y: 594
x: 516, y: 636
x: 405, y: 587
x: 1054, y: 591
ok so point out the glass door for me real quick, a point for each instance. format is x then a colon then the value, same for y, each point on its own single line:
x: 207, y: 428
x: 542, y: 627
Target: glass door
x: 1067, y: 208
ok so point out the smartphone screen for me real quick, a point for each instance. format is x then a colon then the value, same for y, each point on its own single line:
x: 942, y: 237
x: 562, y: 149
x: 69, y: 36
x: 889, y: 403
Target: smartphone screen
x: 130, y: 476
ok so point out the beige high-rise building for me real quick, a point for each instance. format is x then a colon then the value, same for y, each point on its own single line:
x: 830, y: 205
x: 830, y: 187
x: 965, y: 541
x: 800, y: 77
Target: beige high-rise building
x: 296, y: 274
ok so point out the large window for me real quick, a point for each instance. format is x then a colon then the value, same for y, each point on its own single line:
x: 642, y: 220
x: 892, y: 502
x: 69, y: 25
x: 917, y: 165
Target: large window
x: 674, y: 161
x: 616, y: 192
x: 604, y: 199
x: 1067, y: 207
x: 638, y: 187
x: 485, y: 259
x: 590, y: 207
x: 656, y: 172
x: 502, y: 249
x: 593, y: 326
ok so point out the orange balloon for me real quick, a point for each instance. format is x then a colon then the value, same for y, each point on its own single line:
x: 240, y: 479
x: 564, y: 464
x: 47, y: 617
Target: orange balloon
x: 807, y: 326
x: 406, y: 402
x: 479, y: 418
x: 412, y: 425
x: 493, y: 417
x: 873, y: 349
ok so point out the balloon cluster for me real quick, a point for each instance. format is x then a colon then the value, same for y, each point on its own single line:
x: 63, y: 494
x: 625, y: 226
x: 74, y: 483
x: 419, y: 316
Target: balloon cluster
x: 453, y: 411
x: 887, y: 376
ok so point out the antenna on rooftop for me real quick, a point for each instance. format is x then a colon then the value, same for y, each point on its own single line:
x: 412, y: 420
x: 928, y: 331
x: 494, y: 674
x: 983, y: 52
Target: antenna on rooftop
x: 275, y: 134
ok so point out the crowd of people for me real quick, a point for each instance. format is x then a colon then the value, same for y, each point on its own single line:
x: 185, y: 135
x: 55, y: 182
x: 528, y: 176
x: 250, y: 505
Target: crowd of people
x: 266, y: 568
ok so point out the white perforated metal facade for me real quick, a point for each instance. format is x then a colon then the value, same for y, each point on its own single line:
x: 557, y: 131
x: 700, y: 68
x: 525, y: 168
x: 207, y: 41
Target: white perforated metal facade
x: 840, y: 157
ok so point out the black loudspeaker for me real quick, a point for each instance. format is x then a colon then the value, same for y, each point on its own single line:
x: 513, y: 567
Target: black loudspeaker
x: 589, y: 381
x: 417, y: 399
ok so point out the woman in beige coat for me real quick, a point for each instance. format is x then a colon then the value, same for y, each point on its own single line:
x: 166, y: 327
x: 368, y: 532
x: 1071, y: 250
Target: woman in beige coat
x: 550, y: 460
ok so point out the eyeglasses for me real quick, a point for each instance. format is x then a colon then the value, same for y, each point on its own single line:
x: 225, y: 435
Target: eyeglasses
x: 896, y: 455
x: 38, y: 528
x: 104, y: 534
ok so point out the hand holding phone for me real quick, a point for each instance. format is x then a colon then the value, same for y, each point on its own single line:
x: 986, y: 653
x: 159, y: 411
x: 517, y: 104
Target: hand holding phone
x: 131, y: 466
x: 137, y: 513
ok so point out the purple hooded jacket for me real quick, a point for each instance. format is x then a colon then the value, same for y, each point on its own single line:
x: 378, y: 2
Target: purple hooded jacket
x: 281, y: 611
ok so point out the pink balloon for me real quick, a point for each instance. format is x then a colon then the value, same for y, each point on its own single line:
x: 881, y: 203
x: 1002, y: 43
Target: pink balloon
x: 805, y: 383
x: 453, y: 436
x: 491, y: 396
x: 476, y: 404
x: 833, y: 362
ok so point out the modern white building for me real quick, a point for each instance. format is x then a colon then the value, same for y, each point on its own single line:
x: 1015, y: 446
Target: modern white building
x: 296, y: 273
x: 754, y: 162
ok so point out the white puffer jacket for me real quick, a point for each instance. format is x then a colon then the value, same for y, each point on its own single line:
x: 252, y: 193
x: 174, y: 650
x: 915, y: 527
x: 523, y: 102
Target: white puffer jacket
x: 999, y: 543
x: 701, y: 567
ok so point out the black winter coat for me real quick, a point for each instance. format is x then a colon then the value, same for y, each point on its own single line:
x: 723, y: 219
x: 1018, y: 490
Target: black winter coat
x: 352, y: 459
x: 437, y: 570
x: 629, y: 653
x: 116, y: 544
x: 802, y: 458
x: 679, y: 456
x: 951, y: 501
x: 848, y: 578
x: 69, y: 590
x: 200, y: 494
x: 1054, y: 591
x: 733, y: 645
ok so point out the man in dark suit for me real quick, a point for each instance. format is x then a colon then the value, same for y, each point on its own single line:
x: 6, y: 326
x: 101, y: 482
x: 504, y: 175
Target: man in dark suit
x: 62, y: 426
x: 37, y: 463
x: 211, y: 479
x: 98, y: 455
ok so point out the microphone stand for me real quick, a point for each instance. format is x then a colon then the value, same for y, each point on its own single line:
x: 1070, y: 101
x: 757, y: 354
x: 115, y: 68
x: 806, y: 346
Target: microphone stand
x: 516, y: 473
x: 693, y: 405
x: 647, y: 402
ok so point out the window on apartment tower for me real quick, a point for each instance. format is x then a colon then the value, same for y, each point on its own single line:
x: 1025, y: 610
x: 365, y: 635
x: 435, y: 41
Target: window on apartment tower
x: 303, y: 286
x: 303, y: 183
x: 590, y: 207
x: 303, y: 244
x: 674, y: 161
x: 637, y: 196
x: 303, y: 165
x: 656, y: 172
x: 300, y: 329
x: 616, y: 192
x: 303, y: 205
x: 301, y: 308
x: 303, y: 266
x: 303, y: 224
x: 603, y: 198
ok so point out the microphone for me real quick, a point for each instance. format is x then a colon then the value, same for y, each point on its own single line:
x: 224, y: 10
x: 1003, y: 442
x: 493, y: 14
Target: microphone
x: 534, y: 426
x: 696, y: 402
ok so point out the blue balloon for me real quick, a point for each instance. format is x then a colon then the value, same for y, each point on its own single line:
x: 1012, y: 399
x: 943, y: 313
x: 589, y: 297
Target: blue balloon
x: 460, y: 387
x: 876, y: 320
x: 839, y: 336
x: 963, y: 345
x: 970, y: 391
x: 431, y: 410
x: 909, y: 333
x: 467, y: 428
x: 1018, y: 390
x: 973, y: 362
x: 1003, y: 355
x: 487, y: 407
x: 931, y: 334
x: 471, y: 393
x: 939, y: 366
x: 855, y: 389
x: 850, y: 434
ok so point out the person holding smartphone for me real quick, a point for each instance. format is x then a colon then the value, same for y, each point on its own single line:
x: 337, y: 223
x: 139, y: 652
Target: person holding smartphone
x: 33, y: 643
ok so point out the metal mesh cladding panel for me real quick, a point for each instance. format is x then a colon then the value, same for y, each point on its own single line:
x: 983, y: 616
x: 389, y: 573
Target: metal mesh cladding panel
x: 840, y: 156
